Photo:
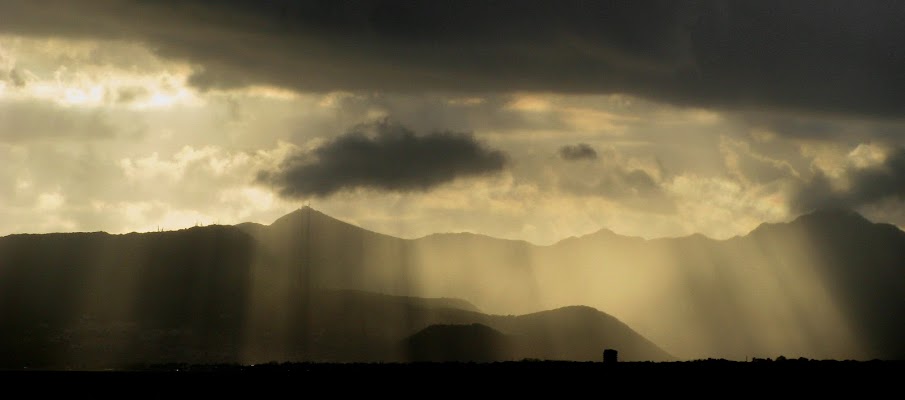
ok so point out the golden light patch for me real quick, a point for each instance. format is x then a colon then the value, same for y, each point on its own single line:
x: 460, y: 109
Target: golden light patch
x: 867, y: 155
x: 530, y: 103
x: 594, y: 122
x: 270, y: 92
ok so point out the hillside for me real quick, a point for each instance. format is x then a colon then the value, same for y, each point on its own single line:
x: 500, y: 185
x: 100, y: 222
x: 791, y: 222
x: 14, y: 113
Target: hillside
x: 826, y: 285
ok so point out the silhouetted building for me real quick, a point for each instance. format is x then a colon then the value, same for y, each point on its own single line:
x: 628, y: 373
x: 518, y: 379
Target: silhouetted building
x: 610, y: 356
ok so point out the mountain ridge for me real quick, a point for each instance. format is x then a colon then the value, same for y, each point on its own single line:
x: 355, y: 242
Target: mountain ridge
x: 298, y: 216
x: 824, y: 213
x: 822, y: 285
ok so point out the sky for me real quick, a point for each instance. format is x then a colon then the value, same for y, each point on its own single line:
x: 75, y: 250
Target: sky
x: 529, y: 120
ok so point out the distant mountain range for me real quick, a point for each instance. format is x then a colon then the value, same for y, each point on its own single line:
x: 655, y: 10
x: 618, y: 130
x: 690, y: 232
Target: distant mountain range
x: 830, y: 284
x: 249, y: 294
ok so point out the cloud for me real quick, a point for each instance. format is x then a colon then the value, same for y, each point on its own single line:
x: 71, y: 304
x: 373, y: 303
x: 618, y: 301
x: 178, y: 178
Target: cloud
x: 749, y: 166
x: 616, y: 178
x: 808, y: 126
x: 23, y: 121
x: 47, y: 186
x: 129, y: 94
x: 633, y: 189
x: 384, y: 156
x: 867, y: 185
x: 826, y: 57
x: 432, y: 111
x: 17, y: 78
x: 576, y: 152
x: 619, y: 183
x: 722, y: 207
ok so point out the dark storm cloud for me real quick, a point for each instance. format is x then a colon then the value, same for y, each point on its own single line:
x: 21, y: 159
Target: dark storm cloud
x: 828, y: 57
x: 575, y: 152
x: 384, y: 156
x: 867, y: 186
x: 803, y: 127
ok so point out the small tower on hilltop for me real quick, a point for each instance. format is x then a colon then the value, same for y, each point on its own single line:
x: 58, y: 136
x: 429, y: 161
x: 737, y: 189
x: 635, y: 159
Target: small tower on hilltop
x: 610, y: 356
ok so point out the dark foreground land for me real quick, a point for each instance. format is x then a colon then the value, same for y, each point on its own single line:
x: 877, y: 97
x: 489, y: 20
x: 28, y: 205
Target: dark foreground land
x: 701, y: 375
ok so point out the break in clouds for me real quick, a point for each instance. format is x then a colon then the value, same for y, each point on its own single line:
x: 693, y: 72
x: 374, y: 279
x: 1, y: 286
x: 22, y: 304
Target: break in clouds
x: 383, y: 156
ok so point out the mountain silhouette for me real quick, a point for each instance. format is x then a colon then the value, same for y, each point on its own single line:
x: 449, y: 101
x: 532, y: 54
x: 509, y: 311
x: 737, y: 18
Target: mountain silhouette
x: 826, y: 285
x: 327, y: 253
x: 221, y: 294
x: 862, y: 265
x: 90, y: 288
x: 459, y: 343
x: 577, y: 333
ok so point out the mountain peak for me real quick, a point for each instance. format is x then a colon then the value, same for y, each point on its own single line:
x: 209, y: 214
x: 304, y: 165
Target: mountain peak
x: 307, y: 218
x: 836, y: 216
x: 829, y: 218
x: 601, y: 234
x: 300, y: 214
